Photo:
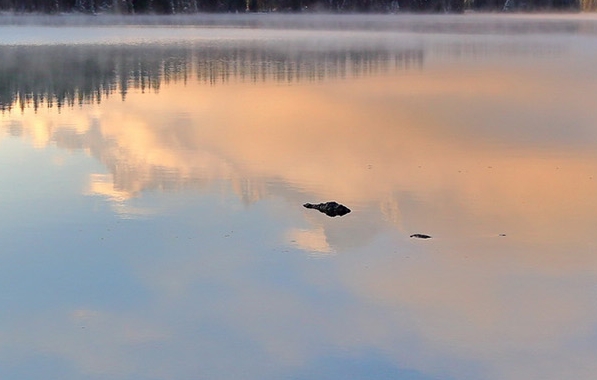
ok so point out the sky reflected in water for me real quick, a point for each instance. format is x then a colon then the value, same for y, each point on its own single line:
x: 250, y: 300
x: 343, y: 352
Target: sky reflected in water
x: 152, y: 220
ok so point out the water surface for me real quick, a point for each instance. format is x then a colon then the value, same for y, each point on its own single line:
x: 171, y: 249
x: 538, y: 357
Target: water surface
x: 153, y: 179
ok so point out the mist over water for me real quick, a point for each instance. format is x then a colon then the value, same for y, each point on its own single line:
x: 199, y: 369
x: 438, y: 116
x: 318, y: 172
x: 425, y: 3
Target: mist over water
x: 153, y: 182
x: 483, y: 23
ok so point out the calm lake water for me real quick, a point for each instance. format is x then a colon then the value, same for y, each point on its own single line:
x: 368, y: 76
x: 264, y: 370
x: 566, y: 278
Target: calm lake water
x: 152, y: 179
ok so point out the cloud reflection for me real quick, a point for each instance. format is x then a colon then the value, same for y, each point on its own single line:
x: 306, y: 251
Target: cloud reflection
x: 460, y: 154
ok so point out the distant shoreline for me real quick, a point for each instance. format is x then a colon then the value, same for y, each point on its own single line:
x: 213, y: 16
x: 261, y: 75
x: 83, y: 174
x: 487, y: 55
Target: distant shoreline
x: 345, y: 7
x: 405, y: 21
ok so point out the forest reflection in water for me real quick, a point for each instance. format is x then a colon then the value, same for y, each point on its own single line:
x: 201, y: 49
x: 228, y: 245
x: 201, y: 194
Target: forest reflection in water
x: 207, y: 153
x: 68, y: 75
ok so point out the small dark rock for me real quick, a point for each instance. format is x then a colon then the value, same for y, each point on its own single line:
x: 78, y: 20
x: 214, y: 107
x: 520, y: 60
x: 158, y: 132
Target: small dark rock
x: 420, y: 236
x: 329, y: 208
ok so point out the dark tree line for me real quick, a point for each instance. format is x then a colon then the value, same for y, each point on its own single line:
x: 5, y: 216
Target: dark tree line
x: 96, y: 6
x: 194, y: 6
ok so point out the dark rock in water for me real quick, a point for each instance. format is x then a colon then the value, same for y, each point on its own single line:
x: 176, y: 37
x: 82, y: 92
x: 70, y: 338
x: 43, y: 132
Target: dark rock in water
x: 329, y: 208
x: 420, y: 236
